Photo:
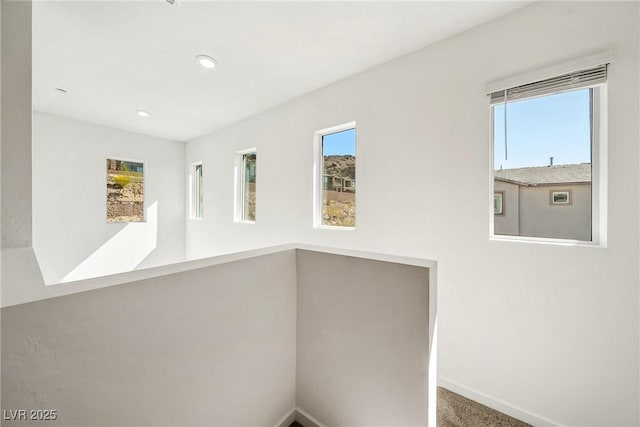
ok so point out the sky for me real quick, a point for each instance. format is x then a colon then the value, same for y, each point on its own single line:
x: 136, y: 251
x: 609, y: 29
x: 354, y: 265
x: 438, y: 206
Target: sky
x: 538, y: 128
x: 343, y: 142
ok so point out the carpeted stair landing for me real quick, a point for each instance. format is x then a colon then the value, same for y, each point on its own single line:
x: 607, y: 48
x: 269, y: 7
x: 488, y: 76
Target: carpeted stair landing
x: 457, y: 411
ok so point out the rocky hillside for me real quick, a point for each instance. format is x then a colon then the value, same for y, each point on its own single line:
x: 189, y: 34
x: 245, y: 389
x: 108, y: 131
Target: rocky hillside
x: 343, y: 166
x: 125, y: 197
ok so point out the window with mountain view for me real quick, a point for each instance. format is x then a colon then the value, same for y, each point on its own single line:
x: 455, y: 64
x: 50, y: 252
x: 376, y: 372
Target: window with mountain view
x: 249, y: 186
x: 338, y: 179
x: 125, y: 191
x: 545, y: 157
x: 245, y: 187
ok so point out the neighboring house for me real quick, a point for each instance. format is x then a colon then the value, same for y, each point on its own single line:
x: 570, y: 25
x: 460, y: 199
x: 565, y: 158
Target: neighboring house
x: 349, y: 184
x: 338, y: 183
x: 547, y: 201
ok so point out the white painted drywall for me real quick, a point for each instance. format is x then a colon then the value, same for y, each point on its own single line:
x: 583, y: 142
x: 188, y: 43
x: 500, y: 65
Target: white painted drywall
x: 362, y: 340
x: 550, y: 330
x: 1, y: 93
x: 208, y: 347
x: 72, y: 238
x: 16, y: 137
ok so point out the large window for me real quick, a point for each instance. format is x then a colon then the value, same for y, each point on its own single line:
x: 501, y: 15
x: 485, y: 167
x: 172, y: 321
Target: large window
x: 245, y: 209
x: 336, y: 181
x: 546, y: 168
x: 197, y: 197
x: 125, y: 191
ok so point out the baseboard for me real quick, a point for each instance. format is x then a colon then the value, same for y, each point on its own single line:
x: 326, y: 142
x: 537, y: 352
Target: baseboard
x: 307, y: 420
x: 497, y: 404
x: 286, y: 419
x: 299, y: 415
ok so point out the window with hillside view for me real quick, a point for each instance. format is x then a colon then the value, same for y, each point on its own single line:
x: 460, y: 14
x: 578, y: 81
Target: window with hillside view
x: 248, y: 187
x: 125, y: 191
x: 338, y: 167
x: 544, y: 144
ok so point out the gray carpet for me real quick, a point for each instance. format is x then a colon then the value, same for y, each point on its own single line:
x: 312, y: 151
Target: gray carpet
x: 457, y: 411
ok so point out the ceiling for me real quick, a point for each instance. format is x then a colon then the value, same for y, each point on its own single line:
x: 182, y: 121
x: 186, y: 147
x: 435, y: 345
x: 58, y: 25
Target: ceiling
x: 115, y: 57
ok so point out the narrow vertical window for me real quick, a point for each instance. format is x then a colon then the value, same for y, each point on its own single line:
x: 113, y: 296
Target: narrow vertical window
x: 197, y: 197
x: 336, y: 189
x: 249, y: 186
x: 245, y: 199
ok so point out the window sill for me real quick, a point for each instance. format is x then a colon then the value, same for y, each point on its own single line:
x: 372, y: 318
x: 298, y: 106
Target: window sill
x: 546, y: 241
x: 244, y: 222
x: 333, y: 227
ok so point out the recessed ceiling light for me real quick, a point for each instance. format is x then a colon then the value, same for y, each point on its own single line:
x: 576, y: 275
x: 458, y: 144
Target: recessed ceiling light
x: 206, y: 61
x: 142, y: 113
x: 60, y: 90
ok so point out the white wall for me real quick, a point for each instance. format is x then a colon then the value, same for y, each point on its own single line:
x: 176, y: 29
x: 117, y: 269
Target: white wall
x: 72, y: 238
x: 16, y: 133
x: 362, y: 341
x: 551, y: 331
x: 207, y: 347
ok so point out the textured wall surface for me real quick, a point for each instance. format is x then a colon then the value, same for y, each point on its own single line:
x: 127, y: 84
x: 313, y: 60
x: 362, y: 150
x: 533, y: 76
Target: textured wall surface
x: 363, y: 341
x: 510, y: 313
x: 72, y: 238
x: 16, y: 111
x: 214, y: 346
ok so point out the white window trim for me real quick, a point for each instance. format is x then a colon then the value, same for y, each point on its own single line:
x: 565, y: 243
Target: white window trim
x: 318, y: 174
x: 193, y: 196
x: 238, y: 186
x: 599, y: 182
x: 145, y: 190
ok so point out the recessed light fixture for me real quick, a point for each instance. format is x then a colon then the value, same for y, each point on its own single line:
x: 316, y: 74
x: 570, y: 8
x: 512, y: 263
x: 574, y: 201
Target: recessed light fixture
x: 206, y: 61
x: 60, y: 90
x: 142, y: 113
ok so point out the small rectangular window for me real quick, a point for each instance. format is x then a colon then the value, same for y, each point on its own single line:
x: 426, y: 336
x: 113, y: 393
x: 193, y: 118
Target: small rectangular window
x: 561, y: 197
x: 498, y: 203
x: 336, y: 158
x: 246, y: 181
x: 197, y: 196
x: 546, y: 149
x: 125, y: 191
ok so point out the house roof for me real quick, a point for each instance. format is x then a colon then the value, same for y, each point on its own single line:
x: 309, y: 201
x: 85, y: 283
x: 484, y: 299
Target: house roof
x: 559, y: 174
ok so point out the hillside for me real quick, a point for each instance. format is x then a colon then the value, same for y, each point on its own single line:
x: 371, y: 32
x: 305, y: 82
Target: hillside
x: 343, y: 166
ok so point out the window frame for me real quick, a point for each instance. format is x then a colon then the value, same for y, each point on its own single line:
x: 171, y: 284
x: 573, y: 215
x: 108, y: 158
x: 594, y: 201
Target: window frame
x: 196, y: 184
x: 318, y: 175
x: 145, y: 189
x: 552, y: 198
x: 239, y: 186
x: 599, y: 183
